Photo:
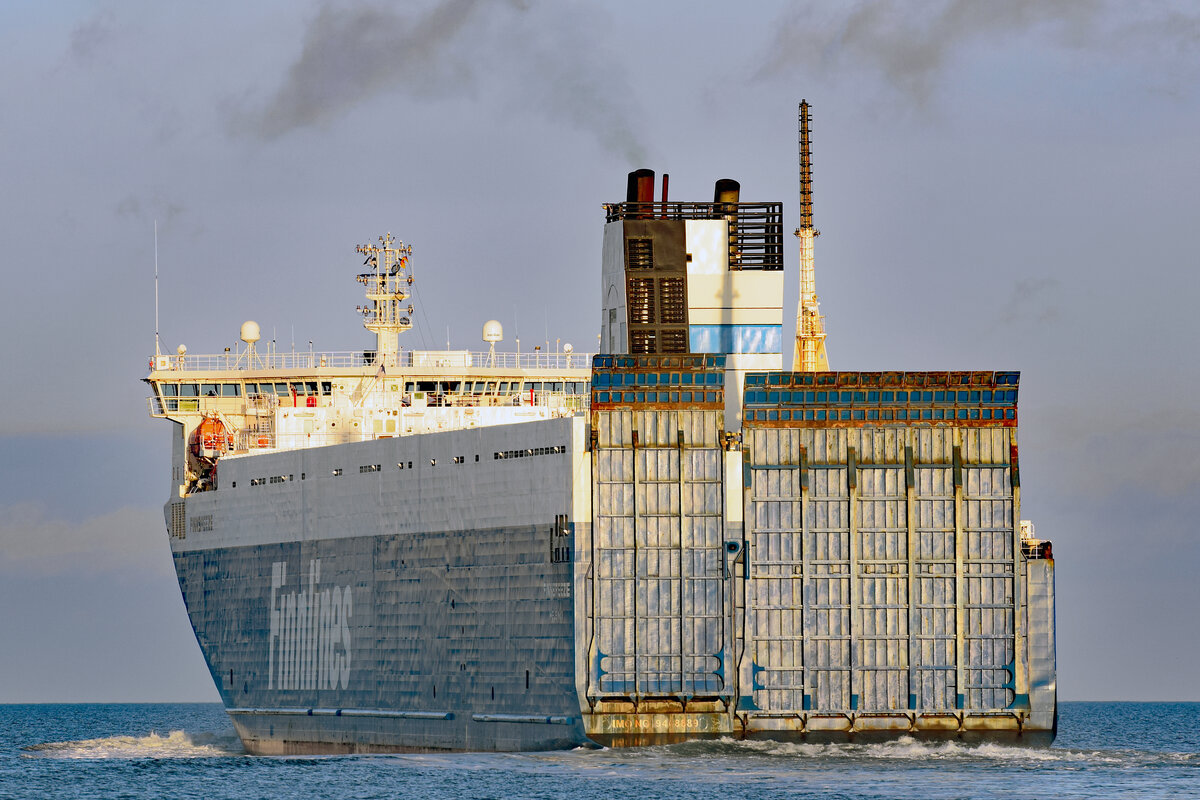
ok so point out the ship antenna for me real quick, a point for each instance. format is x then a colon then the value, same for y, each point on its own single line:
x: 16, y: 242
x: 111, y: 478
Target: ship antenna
x: 157, y: 349
x: 809, y: 354
x: 387, y: 287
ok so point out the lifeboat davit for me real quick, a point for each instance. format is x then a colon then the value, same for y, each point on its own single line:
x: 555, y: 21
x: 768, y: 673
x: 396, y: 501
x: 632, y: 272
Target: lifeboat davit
x: 210, y: 438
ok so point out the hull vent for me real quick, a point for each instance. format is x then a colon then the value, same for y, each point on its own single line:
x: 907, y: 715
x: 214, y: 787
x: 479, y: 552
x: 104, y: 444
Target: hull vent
x: 178, y: 521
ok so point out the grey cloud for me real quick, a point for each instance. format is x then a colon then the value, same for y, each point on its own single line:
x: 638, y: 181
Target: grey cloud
x: 1149, y: 451
x: 155, y: 207
x: 353, y: 54
x: 34, y: 542
x: 1031, y: 300
x: 911, y: 46
x: 89, y: 37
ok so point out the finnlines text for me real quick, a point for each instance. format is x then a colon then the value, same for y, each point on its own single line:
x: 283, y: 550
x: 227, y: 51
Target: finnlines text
x: 309, y: 646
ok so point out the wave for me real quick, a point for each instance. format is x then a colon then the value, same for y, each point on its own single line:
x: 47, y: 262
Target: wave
x: 908, y: 749
x: 176, y: 744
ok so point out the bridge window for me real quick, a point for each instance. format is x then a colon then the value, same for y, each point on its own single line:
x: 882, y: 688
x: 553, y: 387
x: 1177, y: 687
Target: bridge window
x: 189, y: 390
x: 231, y: 390
x: 208, y: 389
x: 169, y: 389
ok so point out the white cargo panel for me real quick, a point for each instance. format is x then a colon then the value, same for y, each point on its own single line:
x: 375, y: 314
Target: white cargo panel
x: 881, y: 570
x: 659, y: 618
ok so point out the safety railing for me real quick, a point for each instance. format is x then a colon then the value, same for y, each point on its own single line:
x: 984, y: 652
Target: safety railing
x: 265, y: 404
x: 439, y: 360
x: 755, y: 229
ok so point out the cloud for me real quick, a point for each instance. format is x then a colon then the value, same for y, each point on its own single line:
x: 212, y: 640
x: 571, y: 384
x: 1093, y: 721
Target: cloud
x: 1115, y: 453
x: 155, y: 207
x: 31, y: 541
x: 1032, y: 301
x: 91, y: 36
x: 913, y: 47
x: 354, y: 54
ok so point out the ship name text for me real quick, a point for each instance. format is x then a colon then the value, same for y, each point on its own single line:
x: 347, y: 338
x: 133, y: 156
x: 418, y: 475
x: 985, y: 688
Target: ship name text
x: 309, y: 643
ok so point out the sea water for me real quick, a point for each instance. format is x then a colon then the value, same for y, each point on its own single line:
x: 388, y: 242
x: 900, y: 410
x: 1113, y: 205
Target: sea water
x: 1120, y: 750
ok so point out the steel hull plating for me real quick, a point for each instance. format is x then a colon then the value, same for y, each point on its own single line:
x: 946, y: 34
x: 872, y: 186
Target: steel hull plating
x: 637, y: 577
x: 372, y: 611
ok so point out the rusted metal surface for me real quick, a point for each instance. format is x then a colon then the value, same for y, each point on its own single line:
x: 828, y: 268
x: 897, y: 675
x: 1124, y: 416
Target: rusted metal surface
x: 692, y: 381
x: 871, y: 584
x: 884, y: 571
x: 857, y: 399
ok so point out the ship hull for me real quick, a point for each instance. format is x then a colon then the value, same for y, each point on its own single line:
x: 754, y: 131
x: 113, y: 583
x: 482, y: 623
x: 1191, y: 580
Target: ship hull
x: 418, y: 609
x: 632, y: 578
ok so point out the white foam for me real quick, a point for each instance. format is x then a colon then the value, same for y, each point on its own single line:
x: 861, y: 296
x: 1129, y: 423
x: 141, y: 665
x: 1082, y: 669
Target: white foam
x: 177, y: 744
x: 907, y: 748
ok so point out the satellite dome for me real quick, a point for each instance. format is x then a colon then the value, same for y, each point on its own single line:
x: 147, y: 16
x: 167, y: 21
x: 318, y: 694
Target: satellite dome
x: 250, y: 332
x: 493, y: 331
x: 568, y: 348
x: 182, y: 349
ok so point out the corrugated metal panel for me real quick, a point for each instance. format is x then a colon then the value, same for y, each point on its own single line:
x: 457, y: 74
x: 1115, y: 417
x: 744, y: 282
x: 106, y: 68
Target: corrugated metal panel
x: 660, y: 622
x: 881, y: 589
x: 934, y: 608
x: 881, y: 569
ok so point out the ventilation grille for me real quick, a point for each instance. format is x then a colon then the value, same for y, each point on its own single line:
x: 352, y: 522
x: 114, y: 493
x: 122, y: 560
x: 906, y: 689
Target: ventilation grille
x: 639, y: 254
x: 673, y: 341
x: 642, y: 341
x: 673, y: 302
x: 178, y: 521
x: 641, y: 301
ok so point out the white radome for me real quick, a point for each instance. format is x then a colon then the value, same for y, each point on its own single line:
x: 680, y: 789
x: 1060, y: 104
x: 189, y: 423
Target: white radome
x: 493, y: 331
x: 250, y: 332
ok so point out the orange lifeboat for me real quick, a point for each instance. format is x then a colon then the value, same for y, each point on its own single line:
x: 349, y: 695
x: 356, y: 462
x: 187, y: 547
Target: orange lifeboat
x: 210, y: 438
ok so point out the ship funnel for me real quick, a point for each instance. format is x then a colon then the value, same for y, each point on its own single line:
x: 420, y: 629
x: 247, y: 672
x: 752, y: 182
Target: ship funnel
x: 640, y: 188
x: 727, y: 191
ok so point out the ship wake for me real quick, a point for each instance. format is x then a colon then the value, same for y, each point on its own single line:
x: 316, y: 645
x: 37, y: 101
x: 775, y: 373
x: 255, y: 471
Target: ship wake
x: 176, y: 744
x: 907, y: 749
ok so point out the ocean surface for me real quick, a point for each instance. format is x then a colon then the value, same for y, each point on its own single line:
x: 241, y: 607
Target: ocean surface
x: 1125, y: 750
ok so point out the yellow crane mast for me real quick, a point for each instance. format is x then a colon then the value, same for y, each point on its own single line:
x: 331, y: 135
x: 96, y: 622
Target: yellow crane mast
x: 809, y: 355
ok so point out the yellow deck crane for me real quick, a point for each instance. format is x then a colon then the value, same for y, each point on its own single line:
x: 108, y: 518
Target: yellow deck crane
x: 809, y: 355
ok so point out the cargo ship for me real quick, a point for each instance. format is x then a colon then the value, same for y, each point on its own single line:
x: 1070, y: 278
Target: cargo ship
x: 393, y: 550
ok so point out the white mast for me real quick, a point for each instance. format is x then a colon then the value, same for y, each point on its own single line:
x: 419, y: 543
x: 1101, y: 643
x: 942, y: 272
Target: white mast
x: 387, y: 286
x: 157, y: 349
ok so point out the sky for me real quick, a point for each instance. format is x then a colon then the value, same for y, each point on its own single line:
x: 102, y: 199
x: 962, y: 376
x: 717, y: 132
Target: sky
x: 998, y: 185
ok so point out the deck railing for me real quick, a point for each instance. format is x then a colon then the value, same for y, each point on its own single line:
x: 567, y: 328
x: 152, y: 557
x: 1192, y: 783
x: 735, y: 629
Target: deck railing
x: 265, y: 404
x: 360, y: 359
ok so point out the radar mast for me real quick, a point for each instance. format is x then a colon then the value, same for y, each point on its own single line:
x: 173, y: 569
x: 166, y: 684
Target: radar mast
x: 387, y: 287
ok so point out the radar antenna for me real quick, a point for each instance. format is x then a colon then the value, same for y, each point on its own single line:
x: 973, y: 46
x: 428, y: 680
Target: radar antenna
x: 809, y: 354
x: 387, y: 287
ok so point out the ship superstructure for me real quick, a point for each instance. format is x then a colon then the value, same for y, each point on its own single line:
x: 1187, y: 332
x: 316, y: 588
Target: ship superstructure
x: 406, y: 550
